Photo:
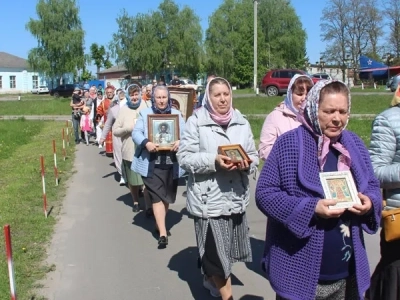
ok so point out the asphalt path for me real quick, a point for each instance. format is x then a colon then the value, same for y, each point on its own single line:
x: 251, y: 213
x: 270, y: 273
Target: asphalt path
x: 103, y: 251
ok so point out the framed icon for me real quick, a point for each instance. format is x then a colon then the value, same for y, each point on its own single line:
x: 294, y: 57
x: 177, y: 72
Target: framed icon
x: 183, y: 99
x: 163, y: 130
x: 340, y: 186
x: 235, y: 152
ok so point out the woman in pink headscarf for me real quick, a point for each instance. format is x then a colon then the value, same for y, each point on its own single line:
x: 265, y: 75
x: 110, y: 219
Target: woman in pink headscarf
x: 218, y: 190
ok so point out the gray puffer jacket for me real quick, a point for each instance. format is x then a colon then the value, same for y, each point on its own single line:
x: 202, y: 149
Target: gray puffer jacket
x: 212, y: 191
x: 385, y: 153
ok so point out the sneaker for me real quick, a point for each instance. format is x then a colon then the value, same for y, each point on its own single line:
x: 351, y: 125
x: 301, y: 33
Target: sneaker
x: 136, y: 207
x: 211, y: 287
x: 122, y: 181
x: 100, y: 146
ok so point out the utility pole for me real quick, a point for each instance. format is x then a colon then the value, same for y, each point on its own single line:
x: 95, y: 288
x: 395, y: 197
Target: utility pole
x: 255, y: 46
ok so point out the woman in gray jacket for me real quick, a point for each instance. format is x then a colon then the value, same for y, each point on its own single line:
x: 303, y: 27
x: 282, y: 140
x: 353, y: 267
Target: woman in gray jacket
x: 385, y: 157
x: 218, y: 191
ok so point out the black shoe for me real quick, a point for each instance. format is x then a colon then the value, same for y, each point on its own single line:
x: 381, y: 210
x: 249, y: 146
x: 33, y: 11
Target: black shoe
x: 184, y: 194
x: 162, y: 242
x: 135, y: 207
x: 77, y: 142
x: 149, y: 213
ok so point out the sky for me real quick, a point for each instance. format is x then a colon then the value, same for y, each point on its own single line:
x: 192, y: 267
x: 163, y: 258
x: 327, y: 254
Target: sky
x: 99, y: 21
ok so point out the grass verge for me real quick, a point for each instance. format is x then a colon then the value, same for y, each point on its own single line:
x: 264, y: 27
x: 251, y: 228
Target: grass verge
x: 21, y: 205
x: 36, y: 107
x: 360, y: 104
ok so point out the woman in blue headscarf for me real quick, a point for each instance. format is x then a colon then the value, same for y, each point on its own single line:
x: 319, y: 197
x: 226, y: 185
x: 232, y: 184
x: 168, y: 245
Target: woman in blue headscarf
x: 283, y: 117
x: 159, y: 168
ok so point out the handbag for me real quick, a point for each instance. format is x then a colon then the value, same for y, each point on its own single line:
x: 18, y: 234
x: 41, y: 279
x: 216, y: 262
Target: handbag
x: 391, y: 223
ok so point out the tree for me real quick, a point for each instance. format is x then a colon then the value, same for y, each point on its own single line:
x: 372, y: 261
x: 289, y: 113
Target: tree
x: 156, y: 40
x: 58, y: 30
x: 98, y: 55
x: 392, y: 8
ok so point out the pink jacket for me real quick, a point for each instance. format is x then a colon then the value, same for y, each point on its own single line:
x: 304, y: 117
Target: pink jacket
x: 280, y: 120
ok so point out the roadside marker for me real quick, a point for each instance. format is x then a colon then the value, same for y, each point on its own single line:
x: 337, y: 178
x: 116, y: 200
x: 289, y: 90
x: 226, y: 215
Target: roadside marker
x: 55, y: 162
x: 63, y: 143
x: 43, y: 185
x: 11, y: 276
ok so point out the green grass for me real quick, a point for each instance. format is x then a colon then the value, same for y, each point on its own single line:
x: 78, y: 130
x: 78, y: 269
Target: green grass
x: 360, y: 104
x: 36, y: 107
x: 27, y: 96
x: 21, y: 205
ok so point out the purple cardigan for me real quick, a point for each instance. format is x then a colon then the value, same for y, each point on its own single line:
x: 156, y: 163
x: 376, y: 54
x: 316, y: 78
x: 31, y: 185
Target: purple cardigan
x: 287, y: 192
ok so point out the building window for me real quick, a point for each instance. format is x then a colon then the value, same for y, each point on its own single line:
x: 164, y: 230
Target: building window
x: 35, y: 81
x: 1, y: 82
x: 12, y: 82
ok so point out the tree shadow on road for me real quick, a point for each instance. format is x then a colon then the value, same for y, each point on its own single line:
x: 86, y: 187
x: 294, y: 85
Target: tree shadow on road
x: 140, y: 219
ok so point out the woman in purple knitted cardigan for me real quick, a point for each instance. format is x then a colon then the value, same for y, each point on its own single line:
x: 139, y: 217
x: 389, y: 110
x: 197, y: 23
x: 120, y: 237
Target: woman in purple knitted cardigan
x: 312, y: 251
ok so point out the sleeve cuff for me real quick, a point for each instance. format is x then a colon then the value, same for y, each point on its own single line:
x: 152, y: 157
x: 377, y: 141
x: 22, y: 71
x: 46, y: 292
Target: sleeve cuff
x: 144, y: 142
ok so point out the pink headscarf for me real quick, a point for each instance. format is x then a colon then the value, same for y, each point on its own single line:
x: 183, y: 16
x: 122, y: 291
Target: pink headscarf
x: 217, y: 117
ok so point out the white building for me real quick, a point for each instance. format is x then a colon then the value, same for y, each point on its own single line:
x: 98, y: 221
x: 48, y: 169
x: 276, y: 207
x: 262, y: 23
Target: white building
x: 16, y: 76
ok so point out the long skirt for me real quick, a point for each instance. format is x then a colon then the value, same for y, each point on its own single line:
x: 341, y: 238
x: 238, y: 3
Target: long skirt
x: 221, y: 242
x: 161, y: 186
x: 133, y: 178
x: 109, y: 145
x: 385, y: 282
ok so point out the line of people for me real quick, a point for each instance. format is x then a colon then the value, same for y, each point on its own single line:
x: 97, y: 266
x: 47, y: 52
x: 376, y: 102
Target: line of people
x: 311, y: 251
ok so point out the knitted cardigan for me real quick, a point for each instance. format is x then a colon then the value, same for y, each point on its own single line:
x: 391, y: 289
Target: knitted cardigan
x: 287, y: 192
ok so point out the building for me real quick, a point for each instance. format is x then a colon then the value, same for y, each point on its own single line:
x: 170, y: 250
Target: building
x: 334, y: 71
x: 16, y: 76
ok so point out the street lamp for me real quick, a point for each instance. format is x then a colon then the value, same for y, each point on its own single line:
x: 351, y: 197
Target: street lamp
x: 320, y: 64
x: 171, y: 66
x: 255, y: 2
x: 349, y: 62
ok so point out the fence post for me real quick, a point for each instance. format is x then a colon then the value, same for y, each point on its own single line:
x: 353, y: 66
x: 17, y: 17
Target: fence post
x: 7, y: 238
x: 43, y: 185
x: 55, y: 162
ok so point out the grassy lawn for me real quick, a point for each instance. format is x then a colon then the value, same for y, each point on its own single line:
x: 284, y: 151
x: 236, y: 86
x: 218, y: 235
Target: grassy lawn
x: 26, y: 96
x: 36, y: 107
x: 21, y: 144
x: 361, y: 104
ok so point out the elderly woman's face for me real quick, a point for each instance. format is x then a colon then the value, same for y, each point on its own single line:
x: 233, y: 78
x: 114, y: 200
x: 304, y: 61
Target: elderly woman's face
x: 220, y: 97
x: 134, y: 97
x: 86, y: 94
x: 333, y: 112
x: 161, y: 99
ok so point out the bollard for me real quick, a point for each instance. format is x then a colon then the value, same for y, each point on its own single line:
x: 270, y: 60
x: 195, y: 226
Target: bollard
x: 55, y: 162
x: 67, y: 137
x: 43, y: 186
x: 7, y: 238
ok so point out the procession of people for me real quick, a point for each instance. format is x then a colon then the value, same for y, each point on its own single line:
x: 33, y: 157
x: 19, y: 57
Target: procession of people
x: 314, y: 244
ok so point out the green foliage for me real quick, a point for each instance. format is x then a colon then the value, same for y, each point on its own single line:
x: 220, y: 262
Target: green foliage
x: 86, y: 75
x: 99, y: 56
x: 229, y: 39
x: 58, y: 30
x: 157, y: 40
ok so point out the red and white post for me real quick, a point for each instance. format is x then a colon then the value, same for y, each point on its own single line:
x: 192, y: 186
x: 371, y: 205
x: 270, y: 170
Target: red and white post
x: 43, y: 185
x: 55, y: 162
x: 67, y: 128
x: 63, y: 143
x: 11, y: 275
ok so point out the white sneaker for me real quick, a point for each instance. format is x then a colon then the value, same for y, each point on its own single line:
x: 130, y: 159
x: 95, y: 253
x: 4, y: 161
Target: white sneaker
x: 100, y: 146
x: 122, y: 181
x: 211, y: 287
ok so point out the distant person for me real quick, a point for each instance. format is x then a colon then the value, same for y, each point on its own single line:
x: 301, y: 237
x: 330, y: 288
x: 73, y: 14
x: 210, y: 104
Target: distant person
x: 109, y: 85
x: 175, y: 81
x: 86, y: 86
x: 86, y: 124
x: 201, y: 96
x: 76, y: 105
x: 100, y: 88
x: 284, y: 117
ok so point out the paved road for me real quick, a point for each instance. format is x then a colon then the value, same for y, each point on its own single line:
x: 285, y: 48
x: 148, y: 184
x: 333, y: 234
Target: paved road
x: 103, y: 251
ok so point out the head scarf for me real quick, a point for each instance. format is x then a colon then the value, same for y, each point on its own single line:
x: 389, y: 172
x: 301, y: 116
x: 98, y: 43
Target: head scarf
x: 289, y: 95
x: 128, y: 97
x: 93, y: 93
x: 308, y: 117
x: 155, y: 109
x: 217, y: 117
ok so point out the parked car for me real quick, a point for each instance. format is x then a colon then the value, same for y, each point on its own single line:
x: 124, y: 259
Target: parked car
x: 276, y: 82
x: 321, y: 76
x: 64, y: 90
x: 395, y: 82
x: 40, y: 90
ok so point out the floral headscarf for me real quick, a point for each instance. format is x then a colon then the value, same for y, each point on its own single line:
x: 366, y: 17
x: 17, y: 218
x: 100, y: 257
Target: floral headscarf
x: 289, y: 95
x: 217, y: 118
x: 308, y: 117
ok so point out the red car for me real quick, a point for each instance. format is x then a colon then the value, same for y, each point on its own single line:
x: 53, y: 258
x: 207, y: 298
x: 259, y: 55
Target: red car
x: 276, y: 82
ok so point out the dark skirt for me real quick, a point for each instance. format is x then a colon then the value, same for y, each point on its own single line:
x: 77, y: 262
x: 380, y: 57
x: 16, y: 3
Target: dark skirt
x: 385, y: 282
x: 161, y: 186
